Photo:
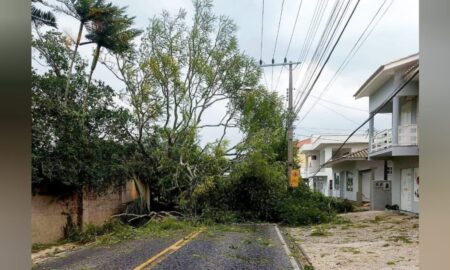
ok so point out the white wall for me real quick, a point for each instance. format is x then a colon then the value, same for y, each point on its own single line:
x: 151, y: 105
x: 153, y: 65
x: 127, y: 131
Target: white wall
x: 400, y: 163
x: 355, y: 167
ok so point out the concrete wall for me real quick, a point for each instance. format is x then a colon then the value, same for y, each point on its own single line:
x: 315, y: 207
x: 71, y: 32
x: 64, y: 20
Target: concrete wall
x: 49, y: 215
x: 381, y: 195
x: 47, y: 218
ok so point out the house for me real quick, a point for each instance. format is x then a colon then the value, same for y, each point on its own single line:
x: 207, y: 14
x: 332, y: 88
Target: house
x: 318, y: 151
x: 301, y: 157
x: 398, y: 145
x: 361, y: 180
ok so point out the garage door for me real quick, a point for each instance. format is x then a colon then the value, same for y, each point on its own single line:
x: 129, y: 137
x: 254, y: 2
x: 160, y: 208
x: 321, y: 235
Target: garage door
x: 406, y: 187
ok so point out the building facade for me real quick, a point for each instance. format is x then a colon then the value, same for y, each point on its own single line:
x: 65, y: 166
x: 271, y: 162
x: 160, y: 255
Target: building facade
x: 318, y: 152
x: 398, y: 145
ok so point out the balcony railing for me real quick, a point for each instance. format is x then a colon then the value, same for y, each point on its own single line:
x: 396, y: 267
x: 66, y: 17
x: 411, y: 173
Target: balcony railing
x: 407, y: 135
x: 381, y: 140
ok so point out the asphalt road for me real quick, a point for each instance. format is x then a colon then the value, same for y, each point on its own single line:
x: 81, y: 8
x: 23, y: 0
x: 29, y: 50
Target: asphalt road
x: 223, y: 247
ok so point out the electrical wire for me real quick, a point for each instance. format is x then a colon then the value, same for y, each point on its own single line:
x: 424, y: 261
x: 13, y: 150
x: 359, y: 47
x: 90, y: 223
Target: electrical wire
x: 290, y: 41
x: 312, y: 31
x: 276, y: 41
x: 372, y: 115
x: 328, y: 58
x: 362, y: 38
x: 327, y: 37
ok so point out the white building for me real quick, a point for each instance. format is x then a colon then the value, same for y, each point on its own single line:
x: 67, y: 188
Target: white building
x: 397, y: 145
x: 318, y: 152
x: 360, y: 179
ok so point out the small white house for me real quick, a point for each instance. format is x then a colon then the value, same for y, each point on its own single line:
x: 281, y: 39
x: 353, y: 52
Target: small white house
x: 319, y: 151
x: 397, y: 145
x: 361, y: 180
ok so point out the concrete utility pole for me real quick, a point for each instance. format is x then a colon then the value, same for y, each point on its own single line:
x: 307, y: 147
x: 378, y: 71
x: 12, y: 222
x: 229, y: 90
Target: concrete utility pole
x: 290, y: 131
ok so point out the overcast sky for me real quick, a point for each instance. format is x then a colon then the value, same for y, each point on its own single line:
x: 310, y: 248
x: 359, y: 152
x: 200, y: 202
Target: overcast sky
x: 394, y: 37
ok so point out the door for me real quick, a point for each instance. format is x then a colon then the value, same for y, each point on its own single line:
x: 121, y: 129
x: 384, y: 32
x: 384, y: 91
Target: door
x: 365, y: 179
x: 406, y: 189
x: 406, y: 114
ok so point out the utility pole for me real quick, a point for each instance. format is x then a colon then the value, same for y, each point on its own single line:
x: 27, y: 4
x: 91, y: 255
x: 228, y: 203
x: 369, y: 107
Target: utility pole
x: 290, y: 131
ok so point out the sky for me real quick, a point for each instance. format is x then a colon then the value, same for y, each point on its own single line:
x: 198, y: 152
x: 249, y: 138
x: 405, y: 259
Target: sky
x: 395, y: 36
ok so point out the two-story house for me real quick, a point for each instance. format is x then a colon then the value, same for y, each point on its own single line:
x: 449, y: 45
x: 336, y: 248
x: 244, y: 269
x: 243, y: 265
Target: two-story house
x: 397, y: 145
x: 319, y: 151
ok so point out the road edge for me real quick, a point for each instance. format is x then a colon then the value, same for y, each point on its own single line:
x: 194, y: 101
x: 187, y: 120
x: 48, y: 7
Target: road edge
x: 294, y: 263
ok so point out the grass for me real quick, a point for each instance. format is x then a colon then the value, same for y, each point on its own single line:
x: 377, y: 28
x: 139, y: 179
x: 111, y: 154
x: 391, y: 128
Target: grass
x: 351, y: 250
x: 114, y: 231
x: 390, y: 263
x: 402, y: 238
x: 377, y: 219
x: 38, y: 247
x: 319, y: 231
x: 341, y: 220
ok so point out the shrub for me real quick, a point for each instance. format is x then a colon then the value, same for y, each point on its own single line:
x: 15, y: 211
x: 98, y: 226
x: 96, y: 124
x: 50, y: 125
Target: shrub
x: 301, y: 206
x: 342, y: 206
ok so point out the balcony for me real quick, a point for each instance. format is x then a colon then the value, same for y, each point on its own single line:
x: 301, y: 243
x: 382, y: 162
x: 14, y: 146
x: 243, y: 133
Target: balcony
x: 407, y: 135
x: 383, y: 143
x: 381, y: 140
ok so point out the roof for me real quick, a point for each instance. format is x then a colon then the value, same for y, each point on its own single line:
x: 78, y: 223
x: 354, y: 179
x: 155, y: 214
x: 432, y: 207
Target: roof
x: 358, y: 155
x: 302, y: 142
x: 384, y: 73
x: 320, y: 141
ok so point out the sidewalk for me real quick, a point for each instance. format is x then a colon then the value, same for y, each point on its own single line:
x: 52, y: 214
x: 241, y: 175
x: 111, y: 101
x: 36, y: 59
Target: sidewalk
x: 362, y: 240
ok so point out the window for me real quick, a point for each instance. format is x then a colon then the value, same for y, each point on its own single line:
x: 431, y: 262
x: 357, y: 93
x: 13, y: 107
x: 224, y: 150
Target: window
x: 349, y: 181
x: 331, y: 184
x: 313, y: 157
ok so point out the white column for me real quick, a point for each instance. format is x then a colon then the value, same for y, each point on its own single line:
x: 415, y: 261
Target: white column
x: 371, y: 128
x: 395, y: 119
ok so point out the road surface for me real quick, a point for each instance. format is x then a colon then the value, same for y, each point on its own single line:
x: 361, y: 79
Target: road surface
x: 219, y: 247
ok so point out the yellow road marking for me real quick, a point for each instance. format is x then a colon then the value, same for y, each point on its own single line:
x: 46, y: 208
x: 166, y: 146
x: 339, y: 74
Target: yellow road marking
x: 176, y: 246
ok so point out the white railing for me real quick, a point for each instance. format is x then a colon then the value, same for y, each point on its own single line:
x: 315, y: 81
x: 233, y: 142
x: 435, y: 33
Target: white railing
x: 407, y: 135
x: 381, y: 140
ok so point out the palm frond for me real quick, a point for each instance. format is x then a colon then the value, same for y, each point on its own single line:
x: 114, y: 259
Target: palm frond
x: 42, y: 17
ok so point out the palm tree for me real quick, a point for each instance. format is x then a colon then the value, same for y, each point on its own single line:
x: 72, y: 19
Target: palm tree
x: 112, y: 31
x: 40, y: 17
x: 84, y: 11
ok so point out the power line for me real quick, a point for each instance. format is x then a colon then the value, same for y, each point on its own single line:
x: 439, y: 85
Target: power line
x: 329, y: 56
x: 372, y: 115
x: 276, y: 41
x: 322, y: 128
x: 290, y: 41
x: 337, y: 104
x: 362, y: 38
x: 331, y: 27
x: 340, y: 114
x: 262, y: 33
x: 310, y: 38
x: 326, y: 139
x: 261, y: 49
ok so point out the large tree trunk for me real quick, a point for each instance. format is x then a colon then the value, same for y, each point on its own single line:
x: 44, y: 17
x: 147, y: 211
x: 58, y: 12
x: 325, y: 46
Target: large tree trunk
x: 94, y: 63
x: 69, y: 75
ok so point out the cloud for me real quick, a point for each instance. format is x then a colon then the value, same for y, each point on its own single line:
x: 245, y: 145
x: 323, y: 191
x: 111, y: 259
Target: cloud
x: 394, y: 37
